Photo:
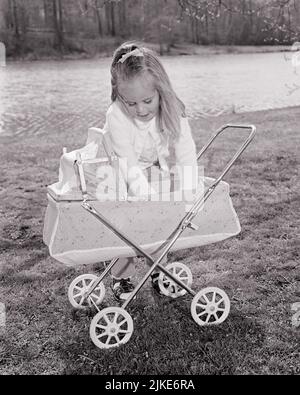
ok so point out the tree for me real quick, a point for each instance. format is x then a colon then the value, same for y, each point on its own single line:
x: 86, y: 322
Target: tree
x: 110, y: 17
x: 122, y: 17
x: 58, y: 23
x: 17, y: 21
x: 14, y: 7
x: 98, y: 16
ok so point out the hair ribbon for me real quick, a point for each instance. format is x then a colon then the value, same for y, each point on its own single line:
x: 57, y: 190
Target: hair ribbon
x: 134, y: 52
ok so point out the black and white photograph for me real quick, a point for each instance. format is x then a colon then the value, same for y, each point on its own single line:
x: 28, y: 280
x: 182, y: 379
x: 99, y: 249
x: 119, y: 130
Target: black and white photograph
x: 149, y: 190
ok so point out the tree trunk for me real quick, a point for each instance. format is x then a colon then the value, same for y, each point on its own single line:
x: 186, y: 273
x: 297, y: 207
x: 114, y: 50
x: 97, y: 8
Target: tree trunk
x: 112, y: 18
x: 206, y: 23
x: 58, y: 23
x: 122, y: 17
x: 18, y: 38
x: 99, y: 23
x: 197, y: 31
x: 15, y: 19
x: 158, y: 13
x: 251, y: 16
x: 289, y: 27
x: 107, y: 18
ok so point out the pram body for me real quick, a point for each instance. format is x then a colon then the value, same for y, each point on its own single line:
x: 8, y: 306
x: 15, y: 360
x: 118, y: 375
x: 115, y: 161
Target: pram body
x: 76, y: 237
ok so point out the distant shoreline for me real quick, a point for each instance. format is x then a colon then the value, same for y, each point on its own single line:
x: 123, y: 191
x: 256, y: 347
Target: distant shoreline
x: 176, y: 50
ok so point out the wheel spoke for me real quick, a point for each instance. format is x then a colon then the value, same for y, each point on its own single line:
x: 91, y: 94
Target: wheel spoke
x: 216, y: 317
x: 184, y: 277
x: 81, y: 300
x: 114, y: 321
x: 214, y: 297
x: 101, y: 335
x: 123, y: 331
x: 122, y: 322
x: 208, y: 318
x: 170, y: 285
x: 203, y: 306
x: 200, y: 314
x: 203, y: 300
x: 206, y: 298
x: 220, y: 301
x: 101, y: 326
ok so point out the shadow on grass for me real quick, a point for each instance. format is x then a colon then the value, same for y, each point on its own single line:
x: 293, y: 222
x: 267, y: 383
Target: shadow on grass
x: 16, y: 236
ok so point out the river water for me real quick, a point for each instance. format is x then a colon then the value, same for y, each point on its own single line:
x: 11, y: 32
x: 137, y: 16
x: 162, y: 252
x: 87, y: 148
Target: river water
x: 42, y: 95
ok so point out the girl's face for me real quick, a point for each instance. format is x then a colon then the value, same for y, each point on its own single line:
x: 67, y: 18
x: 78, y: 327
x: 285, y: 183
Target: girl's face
x: 140, y: 97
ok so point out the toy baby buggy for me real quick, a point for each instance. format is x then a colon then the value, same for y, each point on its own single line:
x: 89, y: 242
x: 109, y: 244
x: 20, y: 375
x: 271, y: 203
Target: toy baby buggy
x: 83, y: 226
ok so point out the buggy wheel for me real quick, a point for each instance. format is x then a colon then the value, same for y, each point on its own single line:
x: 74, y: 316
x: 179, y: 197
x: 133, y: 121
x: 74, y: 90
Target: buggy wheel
x: 78, y: 289
x: 111, y: 327
x: 168, y: 287
x: 210, y: 306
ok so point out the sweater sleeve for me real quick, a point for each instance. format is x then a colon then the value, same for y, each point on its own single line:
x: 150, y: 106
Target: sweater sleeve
x: 122, y: 137
x: 186, y: 157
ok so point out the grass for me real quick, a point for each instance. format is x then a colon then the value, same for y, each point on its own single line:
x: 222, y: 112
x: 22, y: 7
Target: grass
x: 259, y: 269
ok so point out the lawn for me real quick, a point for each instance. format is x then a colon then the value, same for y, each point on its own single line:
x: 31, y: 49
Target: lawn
x: 258, y: 269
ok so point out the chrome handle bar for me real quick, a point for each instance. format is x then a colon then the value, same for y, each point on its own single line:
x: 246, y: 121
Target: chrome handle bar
x: 200, y: 201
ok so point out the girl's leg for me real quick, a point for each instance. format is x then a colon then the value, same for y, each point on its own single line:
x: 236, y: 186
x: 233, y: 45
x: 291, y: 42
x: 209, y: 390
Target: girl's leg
x: 124, y: 268
x: 122, y: 272
x: 156, y: 272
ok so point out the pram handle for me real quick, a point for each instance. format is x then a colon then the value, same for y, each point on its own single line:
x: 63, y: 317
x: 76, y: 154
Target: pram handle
x: 185, y: 223
x: 198, y: 204
x: 238, y: 152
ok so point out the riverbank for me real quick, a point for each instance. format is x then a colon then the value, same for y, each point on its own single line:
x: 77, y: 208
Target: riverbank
x: 259, y: 269
x: 91, y: 51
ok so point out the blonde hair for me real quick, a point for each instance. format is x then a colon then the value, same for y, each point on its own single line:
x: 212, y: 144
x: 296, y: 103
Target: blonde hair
x: 124, y: 67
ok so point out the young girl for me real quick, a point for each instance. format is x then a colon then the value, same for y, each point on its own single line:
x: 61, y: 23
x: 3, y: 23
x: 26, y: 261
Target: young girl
x: 145, y: 120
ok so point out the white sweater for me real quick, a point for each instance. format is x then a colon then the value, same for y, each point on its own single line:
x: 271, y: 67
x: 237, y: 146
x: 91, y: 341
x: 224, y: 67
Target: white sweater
x: 137, y: 144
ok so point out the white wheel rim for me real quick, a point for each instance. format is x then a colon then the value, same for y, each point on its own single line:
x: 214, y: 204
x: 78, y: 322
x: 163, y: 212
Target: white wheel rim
x: 78, y: 289
x: 210, y: 306
x: 111, y: 327
x: 168, y: 287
